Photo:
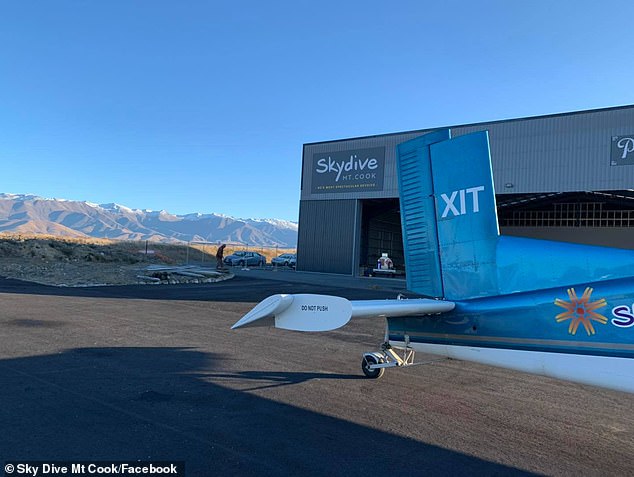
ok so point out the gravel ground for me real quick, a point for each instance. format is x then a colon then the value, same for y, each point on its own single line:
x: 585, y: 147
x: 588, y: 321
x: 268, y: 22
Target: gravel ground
x: 87, y: 378
x: 71, y: 273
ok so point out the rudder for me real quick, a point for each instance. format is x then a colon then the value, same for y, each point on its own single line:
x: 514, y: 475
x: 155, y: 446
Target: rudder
x: 418, y: 214
x: 448, y: 211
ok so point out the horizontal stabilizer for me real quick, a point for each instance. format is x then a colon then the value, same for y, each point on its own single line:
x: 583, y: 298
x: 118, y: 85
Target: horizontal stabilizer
x: 394, y: 308
x: 306, y: 312
x: 302, y: 312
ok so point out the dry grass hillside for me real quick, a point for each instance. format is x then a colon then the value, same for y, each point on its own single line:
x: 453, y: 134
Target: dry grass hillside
x: 77, y: 261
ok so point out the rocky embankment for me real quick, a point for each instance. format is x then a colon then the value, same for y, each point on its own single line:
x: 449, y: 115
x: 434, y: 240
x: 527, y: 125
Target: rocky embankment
x: 61, y: 262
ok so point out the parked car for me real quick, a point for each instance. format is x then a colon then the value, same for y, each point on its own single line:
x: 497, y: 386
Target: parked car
x: 234, y: 256
x: 292, y: 262
x: 247, y: 258
x: 283, y: 260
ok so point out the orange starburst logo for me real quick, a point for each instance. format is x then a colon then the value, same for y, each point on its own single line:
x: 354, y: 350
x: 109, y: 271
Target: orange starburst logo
x: 581, y: 310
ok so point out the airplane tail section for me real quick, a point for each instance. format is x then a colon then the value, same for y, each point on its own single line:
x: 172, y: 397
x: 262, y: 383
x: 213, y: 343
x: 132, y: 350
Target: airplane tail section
x: 448, y: 215
x: 453, y: 248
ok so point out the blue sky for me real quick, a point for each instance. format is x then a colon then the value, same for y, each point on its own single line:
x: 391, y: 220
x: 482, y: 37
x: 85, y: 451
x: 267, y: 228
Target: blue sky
x: 203, y: 106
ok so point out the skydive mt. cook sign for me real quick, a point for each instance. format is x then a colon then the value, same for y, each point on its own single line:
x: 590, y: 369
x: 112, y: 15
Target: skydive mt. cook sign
x: 348, y: 171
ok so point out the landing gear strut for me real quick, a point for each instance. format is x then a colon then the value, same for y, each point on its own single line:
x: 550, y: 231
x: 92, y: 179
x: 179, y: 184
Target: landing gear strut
x: 374, y: 364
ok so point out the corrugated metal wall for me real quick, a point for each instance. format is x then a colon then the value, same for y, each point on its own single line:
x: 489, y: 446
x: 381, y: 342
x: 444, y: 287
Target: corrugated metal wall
x: 559, y: 153
x: 327, y: 236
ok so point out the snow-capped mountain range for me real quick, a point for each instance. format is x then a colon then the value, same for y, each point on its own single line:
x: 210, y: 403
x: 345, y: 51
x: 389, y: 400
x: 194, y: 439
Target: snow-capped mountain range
x: 30, y: 214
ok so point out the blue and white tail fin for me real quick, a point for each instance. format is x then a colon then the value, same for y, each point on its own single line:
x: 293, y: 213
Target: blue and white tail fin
x: 448, y: 214
x: 453, y: 249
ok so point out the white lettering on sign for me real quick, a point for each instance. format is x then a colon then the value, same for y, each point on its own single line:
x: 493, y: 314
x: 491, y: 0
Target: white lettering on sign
x: 353, y: 164
x: 461, y: 208
x: 627, y: 144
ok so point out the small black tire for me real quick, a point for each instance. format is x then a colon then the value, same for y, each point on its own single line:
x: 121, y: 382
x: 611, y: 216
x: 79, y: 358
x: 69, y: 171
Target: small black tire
x: 366, y: 362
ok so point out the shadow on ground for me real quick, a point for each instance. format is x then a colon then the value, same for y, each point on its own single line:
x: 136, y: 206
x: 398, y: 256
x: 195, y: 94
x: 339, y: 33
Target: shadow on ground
x: 159, y: 404
x: 268, y: 379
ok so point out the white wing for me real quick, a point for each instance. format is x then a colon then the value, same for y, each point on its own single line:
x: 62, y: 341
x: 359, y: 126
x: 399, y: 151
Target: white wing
x: 307, y: 312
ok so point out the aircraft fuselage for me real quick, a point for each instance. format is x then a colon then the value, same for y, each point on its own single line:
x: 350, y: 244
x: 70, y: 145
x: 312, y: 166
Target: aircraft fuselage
x: 584, y: 333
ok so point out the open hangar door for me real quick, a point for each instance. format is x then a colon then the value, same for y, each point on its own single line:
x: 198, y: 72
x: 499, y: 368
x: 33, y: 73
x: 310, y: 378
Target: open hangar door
x: 381, y: 233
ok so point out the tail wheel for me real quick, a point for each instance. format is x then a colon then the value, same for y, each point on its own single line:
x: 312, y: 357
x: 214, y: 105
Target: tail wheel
x: 368, y: 361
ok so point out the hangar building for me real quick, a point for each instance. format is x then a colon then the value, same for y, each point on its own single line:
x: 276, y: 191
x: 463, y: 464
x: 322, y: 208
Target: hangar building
x: 566, y: 177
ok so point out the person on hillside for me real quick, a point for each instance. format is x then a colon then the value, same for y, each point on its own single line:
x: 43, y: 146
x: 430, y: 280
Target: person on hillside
x: 219, y: 256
